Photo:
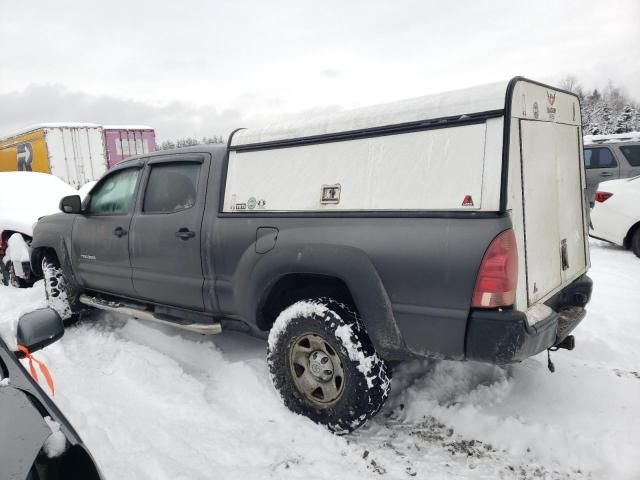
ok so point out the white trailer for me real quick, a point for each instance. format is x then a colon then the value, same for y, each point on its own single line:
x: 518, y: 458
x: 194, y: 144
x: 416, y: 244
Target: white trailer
x: 74, y: 152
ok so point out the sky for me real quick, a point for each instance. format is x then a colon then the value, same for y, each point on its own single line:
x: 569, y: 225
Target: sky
x: 196, y: 68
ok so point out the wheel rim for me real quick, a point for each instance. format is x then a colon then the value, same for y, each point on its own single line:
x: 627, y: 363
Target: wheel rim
x: 316, y: 369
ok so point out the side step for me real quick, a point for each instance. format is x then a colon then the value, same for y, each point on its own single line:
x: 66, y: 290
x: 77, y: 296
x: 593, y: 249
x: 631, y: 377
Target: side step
x: 139, y: 313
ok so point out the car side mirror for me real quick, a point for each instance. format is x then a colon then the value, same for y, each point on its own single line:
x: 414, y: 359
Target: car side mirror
x: 39, y: 328
x: 71, y: 204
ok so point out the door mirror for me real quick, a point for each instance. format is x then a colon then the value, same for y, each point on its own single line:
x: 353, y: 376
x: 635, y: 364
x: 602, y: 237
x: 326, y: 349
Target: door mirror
x: 71, y: 204
x: 39, y: 328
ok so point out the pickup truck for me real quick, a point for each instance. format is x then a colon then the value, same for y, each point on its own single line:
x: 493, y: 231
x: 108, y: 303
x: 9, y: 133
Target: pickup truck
x: 449, y: 226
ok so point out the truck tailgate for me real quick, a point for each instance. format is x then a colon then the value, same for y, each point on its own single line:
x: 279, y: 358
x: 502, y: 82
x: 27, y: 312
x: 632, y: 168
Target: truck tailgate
x: 552, y: 180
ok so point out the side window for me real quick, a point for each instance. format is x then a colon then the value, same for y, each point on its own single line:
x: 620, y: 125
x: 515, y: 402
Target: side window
x: 606, y: 159
x: 632, y: 154
x: 171, y: 187
x: 599, y: 158
x: 115, y: 194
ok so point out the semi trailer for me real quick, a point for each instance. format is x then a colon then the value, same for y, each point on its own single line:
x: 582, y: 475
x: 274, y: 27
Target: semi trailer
x: 75, y: 152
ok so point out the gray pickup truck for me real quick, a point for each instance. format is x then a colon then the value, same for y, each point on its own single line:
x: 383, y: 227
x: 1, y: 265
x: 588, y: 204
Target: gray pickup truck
x: 350, y: 242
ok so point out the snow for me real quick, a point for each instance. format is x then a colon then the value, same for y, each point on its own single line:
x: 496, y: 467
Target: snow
x: 612, y: 138
x: 458, y: 102
x: 154, y: 403
x: 56, y: 444
x: 298, y: 309
x: 27, y: 196
x: 4, y: 382
x: 365, y: 364
x: 17, y: 252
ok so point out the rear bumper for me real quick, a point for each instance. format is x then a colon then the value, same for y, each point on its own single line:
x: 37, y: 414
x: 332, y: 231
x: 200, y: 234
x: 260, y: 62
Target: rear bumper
x: 506, y: 337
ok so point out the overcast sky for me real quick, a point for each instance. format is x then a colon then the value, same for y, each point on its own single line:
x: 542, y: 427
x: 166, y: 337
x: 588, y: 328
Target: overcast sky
x: 206, y: 67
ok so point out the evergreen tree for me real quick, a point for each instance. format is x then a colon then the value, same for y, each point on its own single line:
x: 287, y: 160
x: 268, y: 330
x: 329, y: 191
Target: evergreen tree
x: 624, y: 123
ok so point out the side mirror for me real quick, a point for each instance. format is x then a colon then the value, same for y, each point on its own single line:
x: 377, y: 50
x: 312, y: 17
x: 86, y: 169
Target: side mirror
x: 39, y: 328
x: 71, y: 204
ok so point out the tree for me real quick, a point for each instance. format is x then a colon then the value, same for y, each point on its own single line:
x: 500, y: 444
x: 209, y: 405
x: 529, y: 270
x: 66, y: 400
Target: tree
x: 190, y: 141
x: 625, y: 122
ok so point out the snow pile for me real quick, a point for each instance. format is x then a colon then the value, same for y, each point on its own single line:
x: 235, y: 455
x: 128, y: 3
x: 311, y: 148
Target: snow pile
x: 17, y: 252
x: 4, y: 382
x: 194, y: 407
x: 27, y: 196
x: 15, y: 302
x: 56, y: 444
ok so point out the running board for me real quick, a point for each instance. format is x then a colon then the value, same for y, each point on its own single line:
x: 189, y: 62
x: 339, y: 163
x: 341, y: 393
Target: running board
x: 117, y: 307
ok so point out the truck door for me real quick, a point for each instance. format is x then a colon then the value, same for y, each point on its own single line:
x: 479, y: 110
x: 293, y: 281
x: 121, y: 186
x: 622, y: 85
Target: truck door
x: 165, y: 231
x: 553, y: 206
x: 100, y: 237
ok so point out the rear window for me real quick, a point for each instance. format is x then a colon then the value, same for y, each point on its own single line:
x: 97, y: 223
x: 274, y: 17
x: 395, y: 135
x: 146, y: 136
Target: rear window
x: 171, y: 187
x: 632, y: 154
x: 599, y: 158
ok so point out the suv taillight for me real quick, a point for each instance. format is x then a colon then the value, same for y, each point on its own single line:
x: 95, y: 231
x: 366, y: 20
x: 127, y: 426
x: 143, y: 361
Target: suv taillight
x: 602, y: 196
x: 498, y: 274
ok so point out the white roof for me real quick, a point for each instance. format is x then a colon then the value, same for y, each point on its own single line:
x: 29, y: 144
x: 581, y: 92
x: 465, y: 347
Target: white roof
x: 127, y: 127
x: 38, y: 126
x: 612, y: 138
x: 458, y: 102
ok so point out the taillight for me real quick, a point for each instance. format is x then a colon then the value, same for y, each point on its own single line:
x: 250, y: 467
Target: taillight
x: 498, y: 274
x: 602, y: 196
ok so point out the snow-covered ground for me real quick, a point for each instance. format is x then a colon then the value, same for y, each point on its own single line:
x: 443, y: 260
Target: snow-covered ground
x: 152, y: 403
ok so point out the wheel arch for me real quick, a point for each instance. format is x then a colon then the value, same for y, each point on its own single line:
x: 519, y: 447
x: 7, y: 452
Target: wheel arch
x: 295, y: 272
x: 627, y: 239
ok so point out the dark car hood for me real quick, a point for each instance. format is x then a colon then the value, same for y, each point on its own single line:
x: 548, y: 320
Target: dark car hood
x: 23, y: 429
x: 23, y: 432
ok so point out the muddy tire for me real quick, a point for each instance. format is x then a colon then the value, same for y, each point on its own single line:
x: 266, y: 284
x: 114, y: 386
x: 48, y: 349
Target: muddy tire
x: 324, y: 366
x: 59, y: 296
x: 635, y: 242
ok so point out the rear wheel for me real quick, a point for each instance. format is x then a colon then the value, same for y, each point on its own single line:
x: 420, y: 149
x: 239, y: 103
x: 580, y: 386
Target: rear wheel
x: 324, y: 366
x: 59, y: 295
x: 635, y: 242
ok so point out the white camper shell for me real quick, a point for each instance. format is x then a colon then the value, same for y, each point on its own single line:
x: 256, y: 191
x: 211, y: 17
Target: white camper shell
x: 513, y: 148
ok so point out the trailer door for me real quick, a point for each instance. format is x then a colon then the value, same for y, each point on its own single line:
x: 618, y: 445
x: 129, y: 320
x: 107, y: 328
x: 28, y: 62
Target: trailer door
x: 553, y: 206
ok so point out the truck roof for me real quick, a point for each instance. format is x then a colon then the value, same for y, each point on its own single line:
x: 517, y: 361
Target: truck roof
x: 38, y: 126
x: 467, y: 101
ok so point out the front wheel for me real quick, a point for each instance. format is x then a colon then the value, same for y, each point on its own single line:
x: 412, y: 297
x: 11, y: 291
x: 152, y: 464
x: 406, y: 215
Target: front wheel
x: 56, y: 288
x: 324, y: 366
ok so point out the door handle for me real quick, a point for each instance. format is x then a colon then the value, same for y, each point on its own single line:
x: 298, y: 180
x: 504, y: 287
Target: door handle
x: 119, y: 232
x: 606, y: 174
x: 185, y: 234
